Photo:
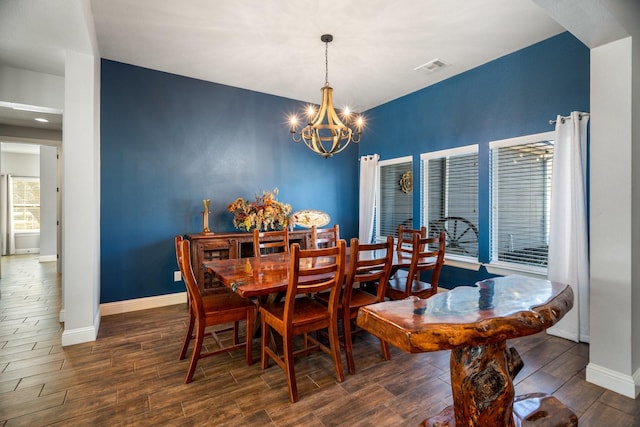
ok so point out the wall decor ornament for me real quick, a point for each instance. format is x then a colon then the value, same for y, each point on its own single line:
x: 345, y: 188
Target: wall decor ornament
x: 406, y: 182
x: 265, y: 213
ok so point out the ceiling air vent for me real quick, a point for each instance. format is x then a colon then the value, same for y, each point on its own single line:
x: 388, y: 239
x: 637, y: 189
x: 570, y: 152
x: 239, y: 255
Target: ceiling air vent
x: 431, y: 66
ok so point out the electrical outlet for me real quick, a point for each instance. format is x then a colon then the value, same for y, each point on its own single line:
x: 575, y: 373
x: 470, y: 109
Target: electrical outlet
x: 177, y: 276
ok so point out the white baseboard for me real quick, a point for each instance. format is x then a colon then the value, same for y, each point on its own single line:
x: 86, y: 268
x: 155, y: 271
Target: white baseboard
x: 27, y: 251
x: 625, y: 385
x: 81, y: 335
x: 126, y: 306
x: 47, y: 258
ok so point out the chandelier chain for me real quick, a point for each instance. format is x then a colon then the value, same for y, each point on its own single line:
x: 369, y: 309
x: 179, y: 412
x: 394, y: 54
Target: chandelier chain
x: 326, y: 63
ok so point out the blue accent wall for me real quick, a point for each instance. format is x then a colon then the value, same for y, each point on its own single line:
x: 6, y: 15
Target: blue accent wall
x: 168, y: 142
x: 511, y: 96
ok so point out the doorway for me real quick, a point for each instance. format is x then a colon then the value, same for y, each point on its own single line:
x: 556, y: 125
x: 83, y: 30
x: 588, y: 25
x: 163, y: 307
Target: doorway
x: 30, y: 198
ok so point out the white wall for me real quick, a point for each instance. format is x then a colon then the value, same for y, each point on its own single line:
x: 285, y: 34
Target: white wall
x: 48, y: 203
x: 81, y: 199
x: 614, y: 359
x: 20, y: 164
x: 611, y: 203
x: 21, y: 86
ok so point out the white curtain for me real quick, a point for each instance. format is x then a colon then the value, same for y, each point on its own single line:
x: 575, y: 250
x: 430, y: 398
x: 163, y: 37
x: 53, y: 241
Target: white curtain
x: 6, y: 217
x: 368, y: 190
x: 568, y: 242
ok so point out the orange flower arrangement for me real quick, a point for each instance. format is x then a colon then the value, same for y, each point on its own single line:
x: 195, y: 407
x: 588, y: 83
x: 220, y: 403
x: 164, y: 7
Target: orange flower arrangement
x: 264, y: 213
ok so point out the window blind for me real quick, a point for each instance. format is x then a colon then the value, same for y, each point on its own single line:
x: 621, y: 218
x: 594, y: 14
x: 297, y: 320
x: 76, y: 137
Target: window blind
x: 450, y: 180
x: 394, y: 206
x: 521, y: 193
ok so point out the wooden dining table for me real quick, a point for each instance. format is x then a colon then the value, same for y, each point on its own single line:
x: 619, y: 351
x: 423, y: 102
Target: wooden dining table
x: 268, y: 274
x: 474, y: 322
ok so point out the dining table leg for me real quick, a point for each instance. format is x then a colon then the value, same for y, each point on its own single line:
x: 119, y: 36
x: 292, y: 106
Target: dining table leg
x: 484, y: 394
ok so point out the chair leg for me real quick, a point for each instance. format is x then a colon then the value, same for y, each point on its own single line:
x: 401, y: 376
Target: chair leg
x: 188, y: 335
x: 348, y: 343
x: 196, y: 353
x: 264, y: 343
x: 251, y: 315
x: 290, y: 368
x: 386, y: 355
x: 335, y: 349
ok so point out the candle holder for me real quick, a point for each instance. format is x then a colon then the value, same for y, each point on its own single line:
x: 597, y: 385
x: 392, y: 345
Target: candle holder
x: 205, y: 216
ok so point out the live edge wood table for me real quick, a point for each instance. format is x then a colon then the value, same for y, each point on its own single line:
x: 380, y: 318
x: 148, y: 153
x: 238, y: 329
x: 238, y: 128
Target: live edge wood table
x: 268, y: 274
x: 474, y: 322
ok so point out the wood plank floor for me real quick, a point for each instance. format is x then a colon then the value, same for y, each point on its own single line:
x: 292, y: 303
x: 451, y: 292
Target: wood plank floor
x: 131, y: 375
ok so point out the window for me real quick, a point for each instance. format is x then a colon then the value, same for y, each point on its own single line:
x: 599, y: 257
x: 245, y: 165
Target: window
x: 450, y: 203
x: 26, y: 204
x: 520, y: 194
x: 394, y: 204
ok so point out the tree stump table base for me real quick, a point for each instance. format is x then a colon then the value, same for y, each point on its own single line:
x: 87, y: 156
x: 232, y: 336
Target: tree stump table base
x: 475, y: 324
x: 529, y: 410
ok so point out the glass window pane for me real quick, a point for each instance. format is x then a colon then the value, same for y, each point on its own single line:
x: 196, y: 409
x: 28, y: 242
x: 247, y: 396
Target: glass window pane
x: 26, y: 204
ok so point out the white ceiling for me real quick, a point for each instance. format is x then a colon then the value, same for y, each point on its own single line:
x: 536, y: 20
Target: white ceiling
x: 273, y: 46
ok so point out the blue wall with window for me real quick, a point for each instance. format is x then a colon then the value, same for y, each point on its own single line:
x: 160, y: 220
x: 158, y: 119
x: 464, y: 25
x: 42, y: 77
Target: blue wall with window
x: 168, y: 142
x: 512, y: 96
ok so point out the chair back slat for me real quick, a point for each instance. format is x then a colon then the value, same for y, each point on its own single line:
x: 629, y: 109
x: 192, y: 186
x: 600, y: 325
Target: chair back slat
x: 315, y: 270
x: 267, y: 242
x: 429, y: 256
x: 324, y: 237
x: 370, y: 262
x: 404, y: 244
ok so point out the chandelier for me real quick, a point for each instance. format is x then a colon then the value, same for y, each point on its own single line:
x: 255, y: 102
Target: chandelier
x: 325, y: 134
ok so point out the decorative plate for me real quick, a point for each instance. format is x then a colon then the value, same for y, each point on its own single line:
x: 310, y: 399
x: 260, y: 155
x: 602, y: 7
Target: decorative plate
x: 309, y: 217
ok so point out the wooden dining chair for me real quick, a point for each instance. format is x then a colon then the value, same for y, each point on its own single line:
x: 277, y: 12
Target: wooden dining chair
x: 210, y: 310
x: 428, y: 256
x: 324, y: 237
x: 188, y: 336
x: 404, y: 243
x: 370, y: 264
x: 404, y: 246
x: 310, y: 271
x: 268, y: 242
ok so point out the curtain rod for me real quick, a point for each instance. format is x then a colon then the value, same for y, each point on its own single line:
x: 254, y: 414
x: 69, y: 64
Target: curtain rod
x: 562, y: 119
x: 368, y: 156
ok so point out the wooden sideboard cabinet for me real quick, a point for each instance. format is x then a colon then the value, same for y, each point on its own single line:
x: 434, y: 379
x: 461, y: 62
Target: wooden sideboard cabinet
x: 209, y: 246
